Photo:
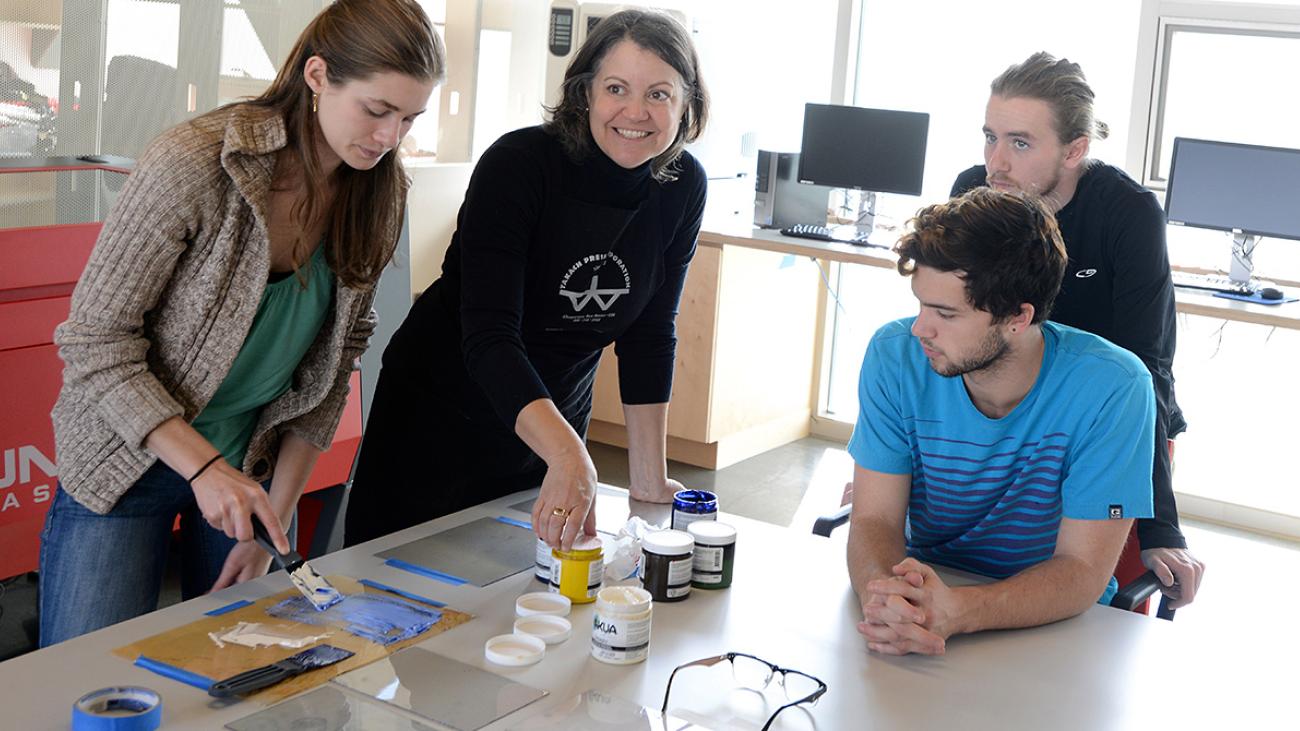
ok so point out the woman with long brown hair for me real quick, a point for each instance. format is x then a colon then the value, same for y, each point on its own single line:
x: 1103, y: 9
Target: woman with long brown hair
x: 211, y: 336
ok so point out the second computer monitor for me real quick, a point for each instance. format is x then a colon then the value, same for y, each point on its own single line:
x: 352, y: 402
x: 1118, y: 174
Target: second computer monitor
x: 1234, y: 187
x: 878, y: 150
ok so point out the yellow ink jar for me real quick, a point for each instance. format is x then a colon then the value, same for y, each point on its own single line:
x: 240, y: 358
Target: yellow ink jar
x: 578, y: 572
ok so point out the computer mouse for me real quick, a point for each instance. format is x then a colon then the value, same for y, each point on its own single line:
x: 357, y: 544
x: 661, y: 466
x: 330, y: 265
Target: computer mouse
x: 1270, y: 293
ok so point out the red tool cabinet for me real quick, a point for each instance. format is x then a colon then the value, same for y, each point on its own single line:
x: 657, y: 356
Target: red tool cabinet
x: 51, y: 210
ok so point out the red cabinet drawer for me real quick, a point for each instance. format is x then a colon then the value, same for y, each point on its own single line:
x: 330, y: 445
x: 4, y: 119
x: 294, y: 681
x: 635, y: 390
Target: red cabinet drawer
x: 28, y: 323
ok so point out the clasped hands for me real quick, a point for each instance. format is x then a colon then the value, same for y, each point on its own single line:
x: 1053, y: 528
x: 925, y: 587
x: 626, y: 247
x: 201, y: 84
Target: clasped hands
x: 909, y: 612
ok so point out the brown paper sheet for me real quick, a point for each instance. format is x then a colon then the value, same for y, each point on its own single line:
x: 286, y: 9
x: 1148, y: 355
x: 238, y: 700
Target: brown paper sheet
x: 189, y: 647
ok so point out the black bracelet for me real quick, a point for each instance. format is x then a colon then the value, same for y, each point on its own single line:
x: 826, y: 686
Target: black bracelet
x: 206, y: 465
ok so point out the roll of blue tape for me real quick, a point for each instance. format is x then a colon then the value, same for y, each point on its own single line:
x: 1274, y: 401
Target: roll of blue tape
x: 117, y: 709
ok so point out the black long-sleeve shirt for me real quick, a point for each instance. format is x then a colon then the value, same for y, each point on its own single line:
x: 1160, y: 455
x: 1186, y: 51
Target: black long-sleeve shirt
x: 554, y: 259
x: 1117, y: 285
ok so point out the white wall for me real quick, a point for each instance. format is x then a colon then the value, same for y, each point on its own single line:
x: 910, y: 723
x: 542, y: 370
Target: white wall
x: 762, y: 60
x: 938, y: 56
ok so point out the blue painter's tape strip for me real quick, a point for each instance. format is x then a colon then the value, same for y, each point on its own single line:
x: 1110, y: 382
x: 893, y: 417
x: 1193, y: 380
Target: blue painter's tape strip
x: 400, y: 592
x: 517, y: 523
x: 173, y: 672
x: 428, y: 573
x: 228, y: 608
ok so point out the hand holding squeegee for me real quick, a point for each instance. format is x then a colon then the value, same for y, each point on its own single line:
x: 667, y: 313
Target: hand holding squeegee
x: 312, y: 585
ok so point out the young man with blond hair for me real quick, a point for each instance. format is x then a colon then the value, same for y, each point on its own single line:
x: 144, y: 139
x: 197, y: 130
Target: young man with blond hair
x: 1038, y: 127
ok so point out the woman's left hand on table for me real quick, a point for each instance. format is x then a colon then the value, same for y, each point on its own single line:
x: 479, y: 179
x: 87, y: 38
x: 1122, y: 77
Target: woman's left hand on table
x: 246, y: 561
x: 657, y: 492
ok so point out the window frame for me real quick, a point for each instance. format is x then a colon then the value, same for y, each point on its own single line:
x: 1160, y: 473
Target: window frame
x: 1160, y: 19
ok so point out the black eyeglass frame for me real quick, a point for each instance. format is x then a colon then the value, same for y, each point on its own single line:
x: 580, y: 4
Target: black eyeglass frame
x: 776, y: 669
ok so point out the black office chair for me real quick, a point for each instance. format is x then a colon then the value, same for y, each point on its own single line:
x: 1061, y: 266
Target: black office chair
x: 1131, y: 597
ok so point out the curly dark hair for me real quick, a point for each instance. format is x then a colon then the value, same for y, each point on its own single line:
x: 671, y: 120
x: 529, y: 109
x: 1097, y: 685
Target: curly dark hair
x: 656, y: 32
x: 1005, y: 246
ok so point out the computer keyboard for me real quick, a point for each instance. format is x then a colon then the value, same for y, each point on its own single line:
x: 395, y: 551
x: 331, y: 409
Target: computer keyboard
x: 1212, y: 282
x: 822, y: 233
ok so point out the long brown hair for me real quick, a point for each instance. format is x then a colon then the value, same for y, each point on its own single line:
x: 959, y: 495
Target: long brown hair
x: 661, y: 35
x: 356, y: 38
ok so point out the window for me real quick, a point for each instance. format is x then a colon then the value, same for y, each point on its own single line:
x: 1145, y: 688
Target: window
x: 1220, y: 71
x: 1209, y: 85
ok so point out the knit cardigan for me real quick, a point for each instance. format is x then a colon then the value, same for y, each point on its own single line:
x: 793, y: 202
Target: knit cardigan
x: 167, y: 299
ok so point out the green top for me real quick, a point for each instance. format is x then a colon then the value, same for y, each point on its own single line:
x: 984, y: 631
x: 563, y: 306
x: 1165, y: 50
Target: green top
x: 285, y: 326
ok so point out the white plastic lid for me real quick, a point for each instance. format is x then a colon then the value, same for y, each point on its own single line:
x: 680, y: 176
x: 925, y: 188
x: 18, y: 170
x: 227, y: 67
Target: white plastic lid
x: 669, y: 542
x: 624, y: 599
x: 546, y: 627
x: 514, y: 650
x: 587, y: 543
x: 542, y: 602
x: 712, y: 533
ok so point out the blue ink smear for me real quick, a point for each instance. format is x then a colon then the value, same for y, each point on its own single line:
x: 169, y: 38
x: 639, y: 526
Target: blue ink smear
x: 228, y: 608
x: 173, y: 672
x: 398, y: 563
x: 400, y: 592
x: 516, y: 523
x: 380, y: 619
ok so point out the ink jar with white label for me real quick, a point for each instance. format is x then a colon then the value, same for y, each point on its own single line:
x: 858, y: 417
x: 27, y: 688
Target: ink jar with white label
x: 578, y: 572
x: 667, y: 564
x: 620, y: 627
x: 715, y: 554
x: 692, y: 505
x: 542, y: 561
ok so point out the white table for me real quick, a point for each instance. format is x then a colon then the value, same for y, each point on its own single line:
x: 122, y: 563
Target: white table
x: 791, y: 604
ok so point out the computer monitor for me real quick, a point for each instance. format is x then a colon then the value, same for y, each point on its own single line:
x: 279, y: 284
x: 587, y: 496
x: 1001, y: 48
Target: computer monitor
x: 878, y: 150
x: 1246, y: 190
x: 872, y: 150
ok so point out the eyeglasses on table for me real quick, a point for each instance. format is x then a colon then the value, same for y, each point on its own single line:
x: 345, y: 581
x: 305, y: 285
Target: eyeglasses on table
x: 757, y: 674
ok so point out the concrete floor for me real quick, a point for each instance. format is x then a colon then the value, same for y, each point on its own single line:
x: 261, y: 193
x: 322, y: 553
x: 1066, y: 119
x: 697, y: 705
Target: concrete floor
x: 794, y: 484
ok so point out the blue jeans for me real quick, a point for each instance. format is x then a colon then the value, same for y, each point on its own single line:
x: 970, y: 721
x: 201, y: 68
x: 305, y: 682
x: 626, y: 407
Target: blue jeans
x: 98, y: 570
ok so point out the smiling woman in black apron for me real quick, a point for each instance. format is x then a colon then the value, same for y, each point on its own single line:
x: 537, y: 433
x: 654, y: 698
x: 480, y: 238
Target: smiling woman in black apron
x: 572, y: 236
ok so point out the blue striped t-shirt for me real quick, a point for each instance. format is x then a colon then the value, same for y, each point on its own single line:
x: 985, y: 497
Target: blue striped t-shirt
x: 988, y: 495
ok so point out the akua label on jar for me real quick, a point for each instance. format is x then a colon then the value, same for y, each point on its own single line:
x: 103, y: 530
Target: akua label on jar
x: 620, y: 639
x: 595, y: 576
x: 679, y: 572
x: 683, y: 519
x: 542, y: 560
x: 708, y: 558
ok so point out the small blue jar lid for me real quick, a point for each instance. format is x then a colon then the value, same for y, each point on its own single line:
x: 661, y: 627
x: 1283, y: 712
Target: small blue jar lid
x: 695, y: 501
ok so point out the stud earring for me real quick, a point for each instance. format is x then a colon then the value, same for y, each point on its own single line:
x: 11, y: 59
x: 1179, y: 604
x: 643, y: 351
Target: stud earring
x: 315, y: 101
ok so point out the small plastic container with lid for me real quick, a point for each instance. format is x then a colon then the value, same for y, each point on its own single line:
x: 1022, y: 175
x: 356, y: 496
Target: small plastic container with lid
x: 547, y: 627
x: 514, y: 650
x: 715, y: 554
x: 540, y: 602
x: 666, y: 564
x: 579, y: 572
x: 692, y: 505
x: 620, y: 627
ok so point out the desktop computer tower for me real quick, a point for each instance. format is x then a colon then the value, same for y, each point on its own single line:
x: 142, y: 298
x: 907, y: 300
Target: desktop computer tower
x: 780, y: 200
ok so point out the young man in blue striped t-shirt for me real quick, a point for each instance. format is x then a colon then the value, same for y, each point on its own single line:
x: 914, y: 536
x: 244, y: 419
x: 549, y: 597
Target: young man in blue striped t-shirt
x: 990, y: 440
